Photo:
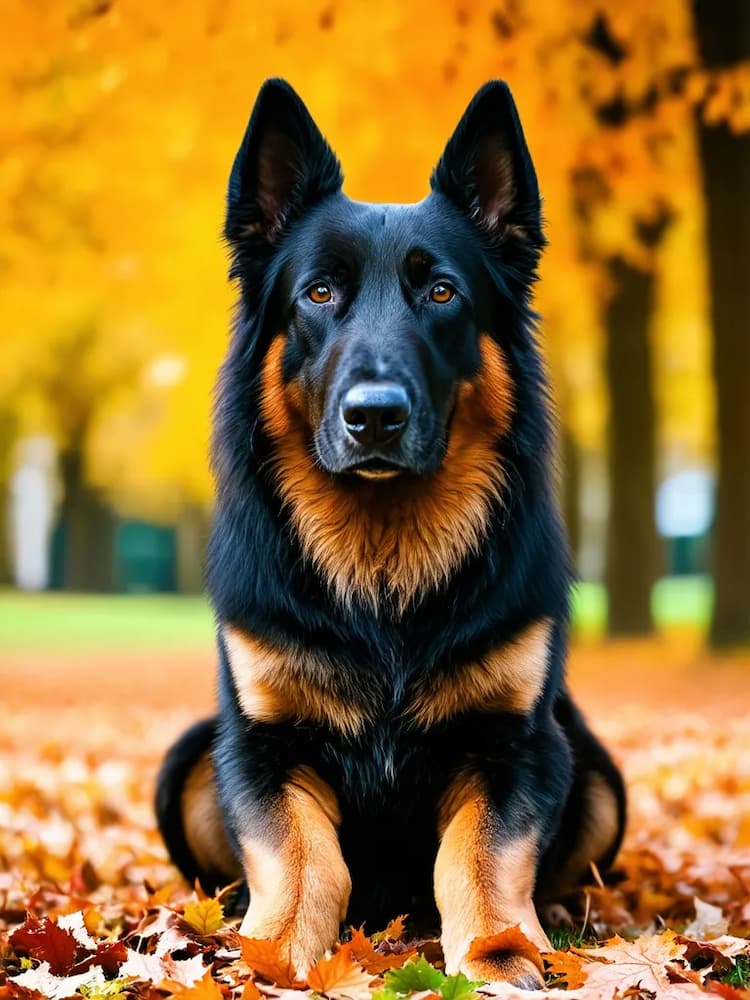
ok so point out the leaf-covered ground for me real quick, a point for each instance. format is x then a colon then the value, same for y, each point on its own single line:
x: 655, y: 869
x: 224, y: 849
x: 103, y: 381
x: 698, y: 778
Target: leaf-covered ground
x: 89, y: 905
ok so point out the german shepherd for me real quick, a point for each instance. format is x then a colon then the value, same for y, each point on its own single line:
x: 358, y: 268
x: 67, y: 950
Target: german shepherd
x: 387, y: 565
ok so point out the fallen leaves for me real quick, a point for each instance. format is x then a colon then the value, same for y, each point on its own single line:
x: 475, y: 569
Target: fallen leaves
x: 89, y: 905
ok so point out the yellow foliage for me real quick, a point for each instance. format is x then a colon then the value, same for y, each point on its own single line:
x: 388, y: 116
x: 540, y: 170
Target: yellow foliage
x: 121, y: 121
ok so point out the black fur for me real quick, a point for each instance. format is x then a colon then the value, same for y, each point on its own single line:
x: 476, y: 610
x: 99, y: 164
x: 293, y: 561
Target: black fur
x: 481, y: 224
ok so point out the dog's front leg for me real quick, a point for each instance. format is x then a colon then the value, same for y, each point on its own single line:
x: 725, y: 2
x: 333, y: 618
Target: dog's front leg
x: 494, y: 824
x: 299, y: 883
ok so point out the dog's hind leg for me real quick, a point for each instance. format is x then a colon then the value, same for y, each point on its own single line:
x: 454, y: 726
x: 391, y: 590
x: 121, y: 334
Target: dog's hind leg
x: 189, y: 814
x: 593, y: 821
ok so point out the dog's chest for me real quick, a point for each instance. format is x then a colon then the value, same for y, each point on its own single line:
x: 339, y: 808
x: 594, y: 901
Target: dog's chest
x: 276, y: 685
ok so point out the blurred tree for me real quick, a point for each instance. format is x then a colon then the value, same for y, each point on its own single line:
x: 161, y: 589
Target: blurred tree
x: 724, y: 40
x: 625, y: 196
x: 632, y: 559
x: 121, y: 120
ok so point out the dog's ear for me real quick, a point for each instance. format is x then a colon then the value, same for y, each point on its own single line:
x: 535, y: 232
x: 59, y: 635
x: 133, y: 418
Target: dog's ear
x: 486, y: 169
x: 283, y: 166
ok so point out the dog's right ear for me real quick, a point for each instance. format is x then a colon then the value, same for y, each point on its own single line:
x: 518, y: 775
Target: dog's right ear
x: 283, y: 166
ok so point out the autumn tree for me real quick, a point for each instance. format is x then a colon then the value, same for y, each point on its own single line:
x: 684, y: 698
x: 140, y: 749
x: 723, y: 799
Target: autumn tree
x: 123, y: 119
x: 724, y: 40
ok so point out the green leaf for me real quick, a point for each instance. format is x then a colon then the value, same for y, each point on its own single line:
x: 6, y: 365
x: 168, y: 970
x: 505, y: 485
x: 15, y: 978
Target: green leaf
x: 385, y: 994
x: 413, y: 977
x: 458, y: 987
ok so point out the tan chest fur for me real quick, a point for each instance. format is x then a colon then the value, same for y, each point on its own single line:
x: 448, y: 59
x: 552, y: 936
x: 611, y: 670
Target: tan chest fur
x: 274, y: 685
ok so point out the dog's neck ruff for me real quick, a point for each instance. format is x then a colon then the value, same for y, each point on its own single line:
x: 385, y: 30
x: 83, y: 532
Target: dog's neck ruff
x: 387, y: 543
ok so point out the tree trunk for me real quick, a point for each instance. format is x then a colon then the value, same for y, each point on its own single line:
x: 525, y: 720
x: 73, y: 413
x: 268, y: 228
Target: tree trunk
x: 632, y: 543
x: 88, y: 562
x: 192, y: 538
x: 724, y: 39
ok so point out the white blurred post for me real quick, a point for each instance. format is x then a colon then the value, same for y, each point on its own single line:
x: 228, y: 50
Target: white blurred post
x: 33, y: 501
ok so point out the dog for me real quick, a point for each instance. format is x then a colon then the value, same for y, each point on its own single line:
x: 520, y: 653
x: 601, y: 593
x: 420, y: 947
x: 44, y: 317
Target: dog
x: 387, y: 564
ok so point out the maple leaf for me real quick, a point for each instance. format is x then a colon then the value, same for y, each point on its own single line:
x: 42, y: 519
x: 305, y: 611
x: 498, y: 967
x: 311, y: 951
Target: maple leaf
x: 414, y: 977
x: 251, y: 991
x: 205, y: 989
x: 458, y: 987
x: 204, y: 916
x: 265, y: 959
x: 109, y: 955
x: 726, y: 946
x: 567, y: 966
x: 75, y: 923
x: 43, y: 939
x: 512, y: 940
x: 361, y: 948
x: 393, y: 932
x: 55, y: 987
x: 340, y: 976
x: 622, y: 965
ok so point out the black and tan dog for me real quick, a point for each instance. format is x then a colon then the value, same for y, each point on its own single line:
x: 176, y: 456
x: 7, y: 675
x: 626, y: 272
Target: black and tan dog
x: 387, y: 565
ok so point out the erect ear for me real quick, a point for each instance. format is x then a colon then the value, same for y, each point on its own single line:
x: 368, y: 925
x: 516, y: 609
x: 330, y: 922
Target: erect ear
x: 486, y: 169
x: 283, y: 166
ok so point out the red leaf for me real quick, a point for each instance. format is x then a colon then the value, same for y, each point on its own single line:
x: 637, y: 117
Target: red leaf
x: 109, y: 954
x: 44, y: 940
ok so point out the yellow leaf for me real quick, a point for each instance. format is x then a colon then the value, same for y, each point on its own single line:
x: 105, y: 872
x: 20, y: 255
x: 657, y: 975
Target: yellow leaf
x: 205, y: 916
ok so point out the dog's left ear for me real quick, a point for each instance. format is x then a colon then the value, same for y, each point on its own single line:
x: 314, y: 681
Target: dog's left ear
x: 486, y: 169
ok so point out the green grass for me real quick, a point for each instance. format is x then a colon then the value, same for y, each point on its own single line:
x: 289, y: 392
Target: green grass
x: 62, y: 622
x: 739, y: 975
x: 676, y: 601
x: 563, y: 938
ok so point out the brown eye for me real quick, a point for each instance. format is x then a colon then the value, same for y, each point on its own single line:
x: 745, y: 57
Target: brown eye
x: 320, y: 294
x: 441, y: 293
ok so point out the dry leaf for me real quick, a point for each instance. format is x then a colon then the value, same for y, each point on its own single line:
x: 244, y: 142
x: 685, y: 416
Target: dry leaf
x: 205, y: 989
x: 622, y: 965
x: 566, y: 965
x: 339, y: 977
x: 709, y: 922
x: 265, y: 958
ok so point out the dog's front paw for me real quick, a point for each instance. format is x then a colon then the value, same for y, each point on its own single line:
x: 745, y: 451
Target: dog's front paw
x: 508, y: 957
x: 505, y: 967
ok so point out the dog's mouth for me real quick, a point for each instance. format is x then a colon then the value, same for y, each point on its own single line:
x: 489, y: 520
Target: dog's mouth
x: 375, y: 468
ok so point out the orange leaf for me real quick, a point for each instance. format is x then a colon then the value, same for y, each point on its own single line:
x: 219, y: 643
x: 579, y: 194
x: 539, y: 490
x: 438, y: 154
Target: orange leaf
x: 266, y: 960
x: 251, y: 991
x: 361, y: 949
x: 204, y: 989
x: 340, y: 976
x: 395, y: 929
x: 512, y: 940
x: 567, y: 966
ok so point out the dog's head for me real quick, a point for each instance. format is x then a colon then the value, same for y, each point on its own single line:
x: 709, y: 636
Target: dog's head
x: 378, y: 339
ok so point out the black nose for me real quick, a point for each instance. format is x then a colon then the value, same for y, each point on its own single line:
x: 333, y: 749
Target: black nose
x: 375, y: 412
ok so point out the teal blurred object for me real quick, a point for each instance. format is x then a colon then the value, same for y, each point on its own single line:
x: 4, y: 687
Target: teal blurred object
x: 145, y: 558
